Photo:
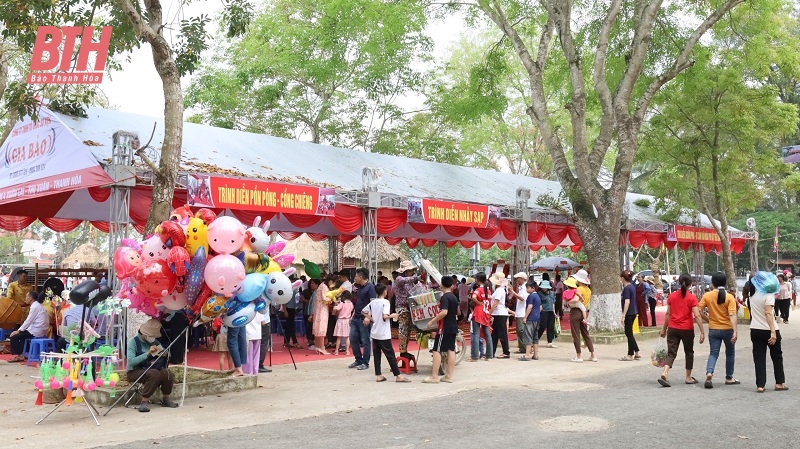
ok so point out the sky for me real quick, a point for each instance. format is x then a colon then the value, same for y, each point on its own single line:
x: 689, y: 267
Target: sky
x: 147, y: 97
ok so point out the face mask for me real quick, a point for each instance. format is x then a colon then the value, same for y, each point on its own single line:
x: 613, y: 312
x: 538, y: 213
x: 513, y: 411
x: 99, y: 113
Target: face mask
x: 149, y: 339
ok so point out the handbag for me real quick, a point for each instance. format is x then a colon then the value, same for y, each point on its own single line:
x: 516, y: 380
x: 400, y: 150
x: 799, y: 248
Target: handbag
x: 557, y: 327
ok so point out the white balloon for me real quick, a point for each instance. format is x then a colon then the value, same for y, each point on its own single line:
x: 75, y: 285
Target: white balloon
x: 174, y: 300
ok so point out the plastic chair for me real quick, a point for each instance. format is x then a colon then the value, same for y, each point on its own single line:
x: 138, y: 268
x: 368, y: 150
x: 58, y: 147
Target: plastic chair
x: 36, y: 346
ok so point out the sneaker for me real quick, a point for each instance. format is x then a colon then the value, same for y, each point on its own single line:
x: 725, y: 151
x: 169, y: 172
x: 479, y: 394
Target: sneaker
x: 354, y: 365
x: 551, y: 345
x: 144, y: 407
x: 576, y: 360
x: 362, y: 367
x: 264, y: 370
x: 168, y: 403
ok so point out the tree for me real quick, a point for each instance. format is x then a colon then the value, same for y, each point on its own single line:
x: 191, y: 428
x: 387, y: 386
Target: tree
x: 721, y: 117
x: 326, y: 71
x: 615, y: 60
x: 134, y: 21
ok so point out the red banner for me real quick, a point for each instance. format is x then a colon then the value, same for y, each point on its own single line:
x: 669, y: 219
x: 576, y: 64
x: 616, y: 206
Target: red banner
x: 437, y: 212
x: 248, y: 194
x: 691, y: 234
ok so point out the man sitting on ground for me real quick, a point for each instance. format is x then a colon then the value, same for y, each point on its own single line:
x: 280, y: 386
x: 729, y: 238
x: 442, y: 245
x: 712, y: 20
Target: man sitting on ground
x: 143, y: 353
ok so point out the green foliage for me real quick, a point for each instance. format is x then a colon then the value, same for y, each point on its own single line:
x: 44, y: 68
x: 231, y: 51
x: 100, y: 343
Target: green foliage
x: 788, y: 224
x: 642, y: 202
x: 326, y: 71
x: 560, y: 203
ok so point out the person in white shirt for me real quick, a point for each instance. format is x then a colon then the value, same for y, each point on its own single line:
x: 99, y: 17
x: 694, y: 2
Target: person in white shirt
x: 35, y: 326
x: 764, y: 333
x: 499, y: 313
x: 253, y: 331
x: 378, y: 312
x: 519, y: 311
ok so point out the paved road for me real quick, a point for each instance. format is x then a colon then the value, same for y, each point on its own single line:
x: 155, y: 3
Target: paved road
x: 617, y: 410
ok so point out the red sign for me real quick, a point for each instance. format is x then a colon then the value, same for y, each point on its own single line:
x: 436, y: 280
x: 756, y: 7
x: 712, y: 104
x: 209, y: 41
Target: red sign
x: 248, y: 194
x: 68, y: 37
x: 439, y: 212
x: 696, y: 235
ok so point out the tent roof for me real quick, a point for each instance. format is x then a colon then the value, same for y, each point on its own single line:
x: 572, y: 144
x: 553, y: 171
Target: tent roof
x: 250, y: 155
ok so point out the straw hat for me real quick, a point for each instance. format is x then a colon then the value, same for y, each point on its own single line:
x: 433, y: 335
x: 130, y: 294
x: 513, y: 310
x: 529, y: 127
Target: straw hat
x: 570, y: 282
x: 151, y: 328
x: 521, y: 275
x: 406, y: 265
x: 650, y: 279
x: 582, y: 276
x: 498, y: 278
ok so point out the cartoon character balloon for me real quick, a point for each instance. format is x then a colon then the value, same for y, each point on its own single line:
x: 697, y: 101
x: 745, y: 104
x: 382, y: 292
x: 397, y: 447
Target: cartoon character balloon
x: 196, y: 275
x: 154, y: 279
x: 224, y: 274
x: 226, y: 235
x: 174, y: 301
x: 279, y: 288
x: 182, y: 215
x: 241, y: 317
x: 126, y: 262
x: 253, y: 286
x: 196, y: 236
x: 256, y: 238
x: 154, y: 248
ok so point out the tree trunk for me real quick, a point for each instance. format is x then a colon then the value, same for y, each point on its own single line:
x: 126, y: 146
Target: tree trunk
x: 602, y: 250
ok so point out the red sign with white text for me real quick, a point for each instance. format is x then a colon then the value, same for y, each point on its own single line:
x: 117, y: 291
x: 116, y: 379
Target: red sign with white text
x: 691, y: 234
x: 249, y: 194
x: 449, y: 213
x: 68, y: 37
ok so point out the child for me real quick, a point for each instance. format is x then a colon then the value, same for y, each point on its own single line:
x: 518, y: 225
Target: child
x: 253, y: 330
x: 377, y: 311
x: 221, y: 344
x: 572, y: 298
x: 344, y: 311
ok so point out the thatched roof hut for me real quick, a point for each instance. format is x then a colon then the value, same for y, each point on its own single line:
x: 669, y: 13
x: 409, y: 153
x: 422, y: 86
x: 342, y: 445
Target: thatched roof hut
x: 305, y: 248
x: 386, y: 252
x: 86, y: 256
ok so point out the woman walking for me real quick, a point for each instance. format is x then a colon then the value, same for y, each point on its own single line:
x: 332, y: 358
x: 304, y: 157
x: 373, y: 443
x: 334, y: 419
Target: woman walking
x: 722, y: 324
x: 499, y: 313
x: 548, y: 318
x: 479, y: 319
x: 629, y: 312
x: 321, y: 314
x: 784, y: 299
x: 678, y: 328
x: 764, y: 331
x: 576, y: 322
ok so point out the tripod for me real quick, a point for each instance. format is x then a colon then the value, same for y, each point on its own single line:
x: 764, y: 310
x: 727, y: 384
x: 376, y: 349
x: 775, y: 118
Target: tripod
x: 136, y: 382
x: 288, y: 347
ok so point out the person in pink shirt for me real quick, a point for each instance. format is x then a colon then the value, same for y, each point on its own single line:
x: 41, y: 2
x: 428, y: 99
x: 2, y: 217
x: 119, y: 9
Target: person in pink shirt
x: 344, y: 313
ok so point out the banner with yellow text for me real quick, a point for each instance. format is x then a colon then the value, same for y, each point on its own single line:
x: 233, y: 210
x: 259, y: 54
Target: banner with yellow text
x: 691, y: 234
x: 425, y: 210
x: 248, y: 194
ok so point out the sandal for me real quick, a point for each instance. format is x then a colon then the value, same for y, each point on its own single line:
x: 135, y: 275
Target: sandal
x: 638, y: 357
x: 380, y: 379
x: 504, y: 356
x: 759, y: 390
x: 625, y: 359
x: 523, y: 359
x: 732, y: 382
x: 428, y: 380
x: 403, y: 380
x: 783, y: 388
x: 691, y: 382
x: 445, y: 379
x: 663, y: 381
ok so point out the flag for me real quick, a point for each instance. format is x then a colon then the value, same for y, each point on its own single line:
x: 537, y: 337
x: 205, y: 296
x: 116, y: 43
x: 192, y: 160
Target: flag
x: 775, y: 245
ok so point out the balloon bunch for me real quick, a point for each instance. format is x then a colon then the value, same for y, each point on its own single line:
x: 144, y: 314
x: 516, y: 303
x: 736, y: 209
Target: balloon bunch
x: 212, y: 264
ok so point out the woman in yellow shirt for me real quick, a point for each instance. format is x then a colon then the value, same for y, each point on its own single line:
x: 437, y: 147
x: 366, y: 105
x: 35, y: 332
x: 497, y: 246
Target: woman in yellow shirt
x: 722, y: 321
x: 14, y: 308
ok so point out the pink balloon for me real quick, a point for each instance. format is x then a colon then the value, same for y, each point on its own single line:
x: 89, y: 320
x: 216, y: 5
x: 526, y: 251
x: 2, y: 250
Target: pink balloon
x: 154, y: 248
x: 126, y: 261
x: 226, y: 235
x: 224, y: 274
x: 174, y: 300
x: 39, y: 385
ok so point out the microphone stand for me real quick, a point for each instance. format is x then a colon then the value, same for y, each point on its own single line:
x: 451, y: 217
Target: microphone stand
x: 133, y: 384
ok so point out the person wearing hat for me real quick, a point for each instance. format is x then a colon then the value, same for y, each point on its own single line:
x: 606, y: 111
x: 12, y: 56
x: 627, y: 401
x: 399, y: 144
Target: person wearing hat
x: 499, y: 313
x: 143, y: 353
x: 577, y: 323
x: 764, y: 333
x: 520, y: 295
x: 582, y: 278
x: 547, y: 322
x: 403, y: 285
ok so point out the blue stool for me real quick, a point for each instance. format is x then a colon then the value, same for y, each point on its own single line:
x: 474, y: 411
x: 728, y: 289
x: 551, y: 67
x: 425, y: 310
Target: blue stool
x: 300, y: 325
x: 36, y: 346
x: 2, y: 335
